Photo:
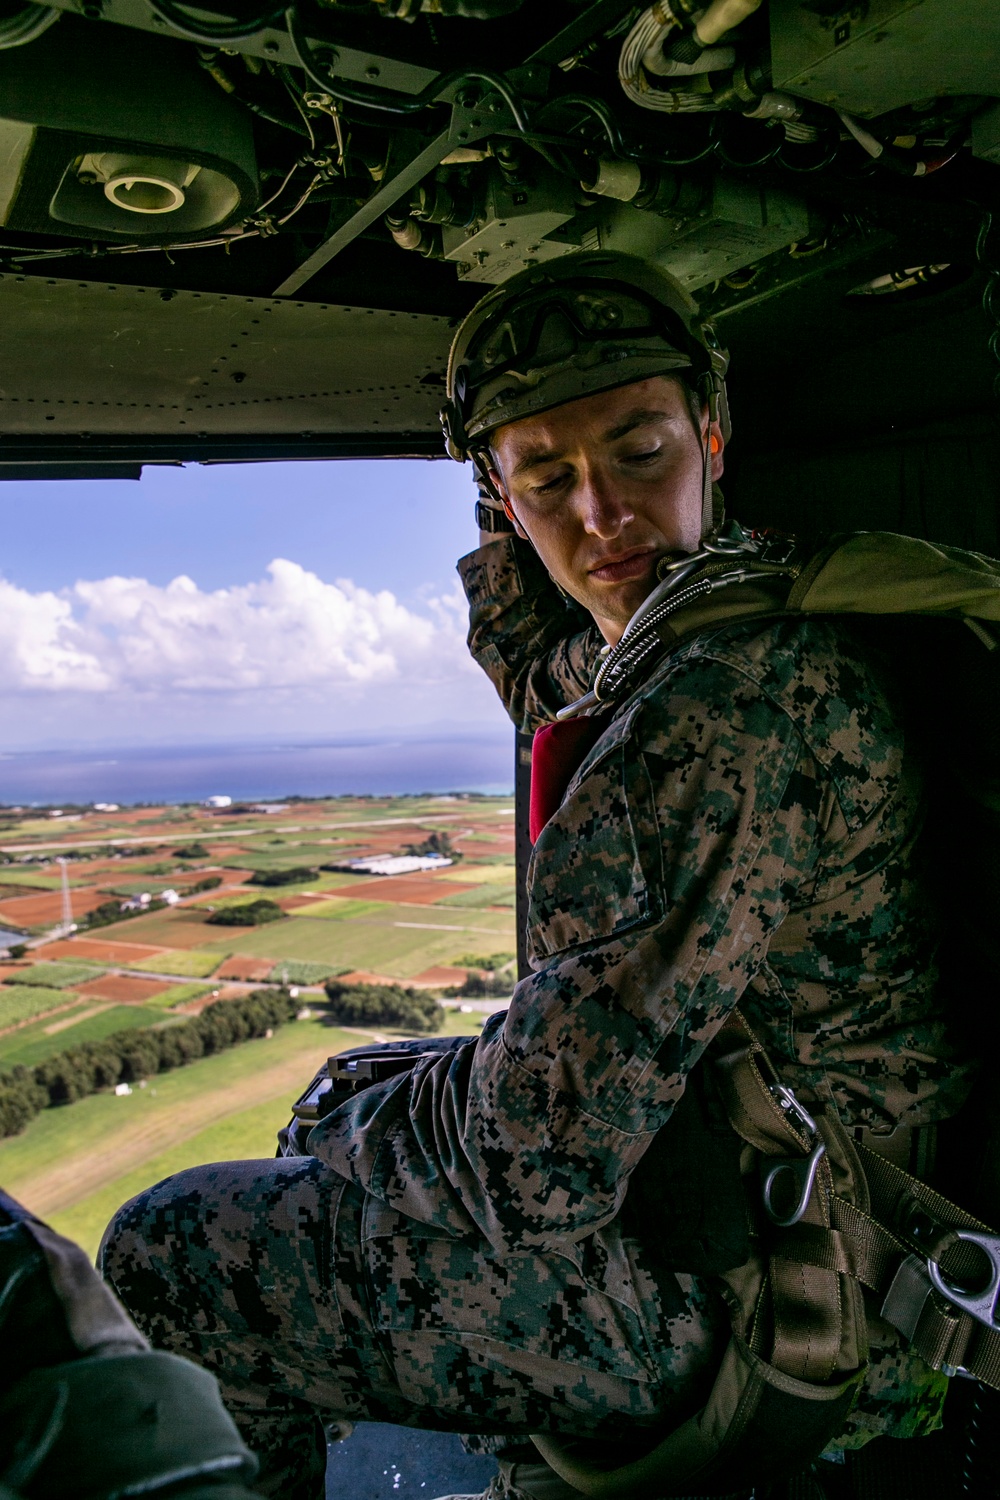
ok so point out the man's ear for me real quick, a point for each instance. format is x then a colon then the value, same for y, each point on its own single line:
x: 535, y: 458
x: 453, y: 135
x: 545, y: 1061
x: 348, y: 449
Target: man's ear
x: 712, y: 434
x: 501, y: 490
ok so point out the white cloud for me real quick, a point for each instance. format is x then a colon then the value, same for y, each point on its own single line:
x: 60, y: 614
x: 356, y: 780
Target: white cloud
x: 289, y: 630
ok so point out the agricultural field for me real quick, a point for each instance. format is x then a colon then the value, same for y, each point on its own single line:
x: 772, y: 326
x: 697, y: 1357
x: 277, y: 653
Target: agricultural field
x: 157, y: 967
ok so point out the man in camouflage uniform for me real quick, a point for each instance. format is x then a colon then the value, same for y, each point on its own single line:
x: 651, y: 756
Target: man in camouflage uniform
x: 459, y: 1251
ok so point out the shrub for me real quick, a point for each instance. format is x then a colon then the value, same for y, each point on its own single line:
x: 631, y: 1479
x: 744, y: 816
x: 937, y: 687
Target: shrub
x: 192, y: 851
x: 111, y: 911
x: 383, y: 1005
x: 487, y: 984
x: 247, y: 914
x: 492, y: 962
x: 21, y: 1098
x: 206, y: 883
x: 284, y: 877
x: 133, y: 1055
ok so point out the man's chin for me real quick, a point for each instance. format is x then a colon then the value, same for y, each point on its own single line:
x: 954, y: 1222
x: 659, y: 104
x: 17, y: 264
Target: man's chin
x: 613, y: 608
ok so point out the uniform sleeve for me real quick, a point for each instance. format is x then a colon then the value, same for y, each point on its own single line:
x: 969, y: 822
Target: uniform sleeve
x: 655, y: 890
x: 539, y: 649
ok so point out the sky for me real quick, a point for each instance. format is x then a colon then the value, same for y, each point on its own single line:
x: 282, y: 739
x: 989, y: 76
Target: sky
x: 237, y: 602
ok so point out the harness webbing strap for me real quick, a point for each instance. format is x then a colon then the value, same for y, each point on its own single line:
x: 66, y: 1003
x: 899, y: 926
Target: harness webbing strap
x: 882, y: 1241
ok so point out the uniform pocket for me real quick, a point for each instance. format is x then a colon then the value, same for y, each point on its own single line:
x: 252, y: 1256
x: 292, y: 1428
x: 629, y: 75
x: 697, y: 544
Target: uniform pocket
x: 588, y: 875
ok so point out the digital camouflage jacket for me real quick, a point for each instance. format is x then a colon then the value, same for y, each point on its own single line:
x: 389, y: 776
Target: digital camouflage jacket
x: 745, y: 829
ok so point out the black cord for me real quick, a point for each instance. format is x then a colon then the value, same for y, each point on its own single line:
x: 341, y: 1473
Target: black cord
x: 211, y: 32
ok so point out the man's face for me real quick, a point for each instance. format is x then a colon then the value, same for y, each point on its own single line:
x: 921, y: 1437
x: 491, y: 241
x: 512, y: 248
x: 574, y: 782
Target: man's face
x: 604, y: 487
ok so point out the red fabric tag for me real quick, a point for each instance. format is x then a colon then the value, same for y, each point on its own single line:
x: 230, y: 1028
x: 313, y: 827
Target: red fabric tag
x: 557, y: 750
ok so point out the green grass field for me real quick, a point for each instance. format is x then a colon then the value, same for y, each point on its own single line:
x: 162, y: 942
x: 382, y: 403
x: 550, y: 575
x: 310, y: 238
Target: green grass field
x: 31, y: 1045
x: 378, y: 940
x: 18, y: 1002
x: 341, y: 909
x: 187, y: 963
x: 197, y: 1114
x: 494, y: 894
x: 56, y: 976
x: 29, y: 875
x: 178, y: 994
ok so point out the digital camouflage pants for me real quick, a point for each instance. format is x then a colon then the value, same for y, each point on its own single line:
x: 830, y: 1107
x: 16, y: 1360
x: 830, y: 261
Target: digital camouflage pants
x: 311, y: 1302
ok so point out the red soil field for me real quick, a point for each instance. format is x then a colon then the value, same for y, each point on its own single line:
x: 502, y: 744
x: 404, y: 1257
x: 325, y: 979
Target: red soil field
x: 181, y: 927
x: 100, y: 951
x: 411, y: 890
x: 122, y: 988
x: 438, y: 977
x: 298, y: 901
x: 252, y: 969
x: 46, y: 907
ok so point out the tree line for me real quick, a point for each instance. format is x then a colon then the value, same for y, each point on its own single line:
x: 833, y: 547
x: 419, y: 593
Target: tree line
x: 128, y: 1056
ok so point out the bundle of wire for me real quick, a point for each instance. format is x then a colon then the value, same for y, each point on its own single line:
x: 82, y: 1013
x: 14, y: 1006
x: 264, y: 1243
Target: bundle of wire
x: 648, y: 33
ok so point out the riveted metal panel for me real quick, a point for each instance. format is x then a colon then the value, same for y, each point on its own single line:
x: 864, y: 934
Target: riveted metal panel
x: 139, y: 362
x: 882, y: 54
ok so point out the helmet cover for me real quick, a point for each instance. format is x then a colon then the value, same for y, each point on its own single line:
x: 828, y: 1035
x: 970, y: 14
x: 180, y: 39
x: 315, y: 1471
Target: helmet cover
x: 585, y: 323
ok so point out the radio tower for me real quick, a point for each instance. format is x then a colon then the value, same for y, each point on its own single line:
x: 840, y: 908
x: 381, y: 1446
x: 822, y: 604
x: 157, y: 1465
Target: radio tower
x: 67, y: 905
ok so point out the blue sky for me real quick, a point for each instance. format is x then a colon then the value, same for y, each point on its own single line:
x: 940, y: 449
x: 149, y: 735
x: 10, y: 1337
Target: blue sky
x: 394, y: 524
x: 261, y: 601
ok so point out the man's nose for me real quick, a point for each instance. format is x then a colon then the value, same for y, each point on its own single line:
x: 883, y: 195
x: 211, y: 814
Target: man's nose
x: 605, y: 511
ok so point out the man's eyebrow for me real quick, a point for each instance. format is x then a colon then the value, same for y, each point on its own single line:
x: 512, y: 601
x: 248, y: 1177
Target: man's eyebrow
x: 643, y: 418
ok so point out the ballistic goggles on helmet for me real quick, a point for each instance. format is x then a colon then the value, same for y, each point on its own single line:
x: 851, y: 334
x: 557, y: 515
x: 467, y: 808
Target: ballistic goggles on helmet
x: 550, y: 335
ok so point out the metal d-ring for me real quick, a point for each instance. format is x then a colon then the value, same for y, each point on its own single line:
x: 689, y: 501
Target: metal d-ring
x: 804, y: 1173
x: 979, y: 1305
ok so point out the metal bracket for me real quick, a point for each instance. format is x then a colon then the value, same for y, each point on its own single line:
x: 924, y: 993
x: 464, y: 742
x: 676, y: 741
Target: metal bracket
x: 469, y: 123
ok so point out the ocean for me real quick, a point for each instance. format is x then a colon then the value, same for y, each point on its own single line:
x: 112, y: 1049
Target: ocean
x: 438, y: 761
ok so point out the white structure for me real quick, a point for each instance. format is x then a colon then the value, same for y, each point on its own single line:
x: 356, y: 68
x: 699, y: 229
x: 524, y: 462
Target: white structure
x: 217, y: 802
x: 171, y: 897
x: 395, y: 864
x: 106, y: 807
x: 136, y: 903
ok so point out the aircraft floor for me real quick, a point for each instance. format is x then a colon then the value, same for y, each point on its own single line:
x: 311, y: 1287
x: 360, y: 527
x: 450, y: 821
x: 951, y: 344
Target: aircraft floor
x: 379, y: 1462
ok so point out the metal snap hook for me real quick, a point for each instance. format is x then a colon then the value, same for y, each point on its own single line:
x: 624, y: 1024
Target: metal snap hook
x: 804, y: 1175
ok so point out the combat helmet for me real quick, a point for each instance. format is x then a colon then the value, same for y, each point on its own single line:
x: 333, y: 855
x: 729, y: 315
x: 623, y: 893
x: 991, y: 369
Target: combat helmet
x: 585, y: 323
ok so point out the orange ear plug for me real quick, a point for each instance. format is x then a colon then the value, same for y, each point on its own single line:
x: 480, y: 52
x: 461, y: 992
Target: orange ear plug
x: 714, y: 444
